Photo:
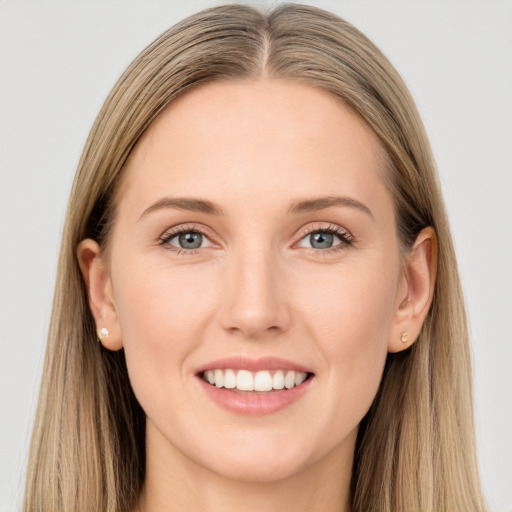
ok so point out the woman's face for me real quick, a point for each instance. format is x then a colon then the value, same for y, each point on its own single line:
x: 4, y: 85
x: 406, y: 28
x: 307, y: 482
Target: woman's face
x: 255, y: 234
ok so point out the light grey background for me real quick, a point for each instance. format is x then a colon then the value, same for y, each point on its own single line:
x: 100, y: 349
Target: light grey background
x: 58, y: 60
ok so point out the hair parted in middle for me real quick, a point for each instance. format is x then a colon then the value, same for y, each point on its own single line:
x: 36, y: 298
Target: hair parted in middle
x: 412, y: 455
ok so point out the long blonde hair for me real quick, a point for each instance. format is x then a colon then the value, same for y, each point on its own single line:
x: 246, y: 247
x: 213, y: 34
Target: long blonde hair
x: 415, y: 448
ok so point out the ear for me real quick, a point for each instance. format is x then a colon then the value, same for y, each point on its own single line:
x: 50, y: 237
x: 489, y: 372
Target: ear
x: 416, y: 291
x: 99, y: 290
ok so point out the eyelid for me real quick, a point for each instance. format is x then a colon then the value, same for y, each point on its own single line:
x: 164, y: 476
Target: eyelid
x: 327, y: 227
x: 171, y: 233
x: 185, y: 228
x: 343, y: 234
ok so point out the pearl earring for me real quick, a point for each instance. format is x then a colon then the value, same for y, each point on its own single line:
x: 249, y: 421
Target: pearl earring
x: 404, y: 337
x: 103, y: 333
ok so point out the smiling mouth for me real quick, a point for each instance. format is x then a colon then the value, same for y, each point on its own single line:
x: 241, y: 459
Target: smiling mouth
x: 264, y: 381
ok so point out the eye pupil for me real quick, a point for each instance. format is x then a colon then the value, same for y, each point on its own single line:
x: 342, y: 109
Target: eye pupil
x: 324, y: 240
x: 190, y: 240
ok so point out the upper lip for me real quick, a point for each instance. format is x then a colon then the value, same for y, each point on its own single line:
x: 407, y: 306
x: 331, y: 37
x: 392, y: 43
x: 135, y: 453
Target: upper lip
x: 255, y: 365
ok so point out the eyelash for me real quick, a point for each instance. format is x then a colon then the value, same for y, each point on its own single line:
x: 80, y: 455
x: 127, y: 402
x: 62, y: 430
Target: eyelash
x: 346, y: 238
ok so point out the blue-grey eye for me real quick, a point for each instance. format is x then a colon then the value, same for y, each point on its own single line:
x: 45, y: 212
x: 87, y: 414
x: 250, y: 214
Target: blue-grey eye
x: 321, y: 240
x: 186, y: 239
x: 332, y: 237
x: 190, y: 240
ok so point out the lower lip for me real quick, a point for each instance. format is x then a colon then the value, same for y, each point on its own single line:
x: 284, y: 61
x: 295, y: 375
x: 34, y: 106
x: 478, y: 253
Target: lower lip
x: 255, y: 404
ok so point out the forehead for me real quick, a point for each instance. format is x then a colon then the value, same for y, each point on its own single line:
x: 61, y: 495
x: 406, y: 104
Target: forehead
x: 260, y: 140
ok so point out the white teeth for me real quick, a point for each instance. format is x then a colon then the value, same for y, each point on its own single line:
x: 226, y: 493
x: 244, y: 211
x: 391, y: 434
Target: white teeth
x: 289, y: 380
x: 229, y: 379
x: 263, y: 381
x: 278, y: 380
x: 300, y: 377
x: 219, y: 378
x: 245, y: 380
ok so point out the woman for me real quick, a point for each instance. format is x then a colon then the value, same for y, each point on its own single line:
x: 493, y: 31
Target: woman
x: 257, y: 238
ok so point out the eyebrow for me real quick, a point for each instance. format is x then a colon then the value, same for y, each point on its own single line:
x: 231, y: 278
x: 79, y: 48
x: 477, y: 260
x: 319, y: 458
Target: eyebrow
x: 185, y: 203
x: 319, y: 203
x: 302, y: 206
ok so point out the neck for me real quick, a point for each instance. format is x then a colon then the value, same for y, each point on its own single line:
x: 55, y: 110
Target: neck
x: 175, y: 483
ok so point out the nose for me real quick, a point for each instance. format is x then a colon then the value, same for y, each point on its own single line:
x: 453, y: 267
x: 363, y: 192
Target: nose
x: 255, y: 304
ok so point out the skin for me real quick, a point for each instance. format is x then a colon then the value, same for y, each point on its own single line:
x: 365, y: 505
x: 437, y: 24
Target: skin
x: 256, y: 287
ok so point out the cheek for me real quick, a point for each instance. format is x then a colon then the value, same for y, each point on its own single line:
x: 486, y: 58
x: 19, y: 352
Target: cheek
x: 350, y: 321
x: 161, y: 313
x: 354, y: 308
x: 159, y: 303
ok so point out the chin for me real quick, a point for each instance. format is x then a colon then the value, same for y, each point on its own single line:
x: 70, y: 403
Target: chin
x: 265, y: 458
x: 269, y: 470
